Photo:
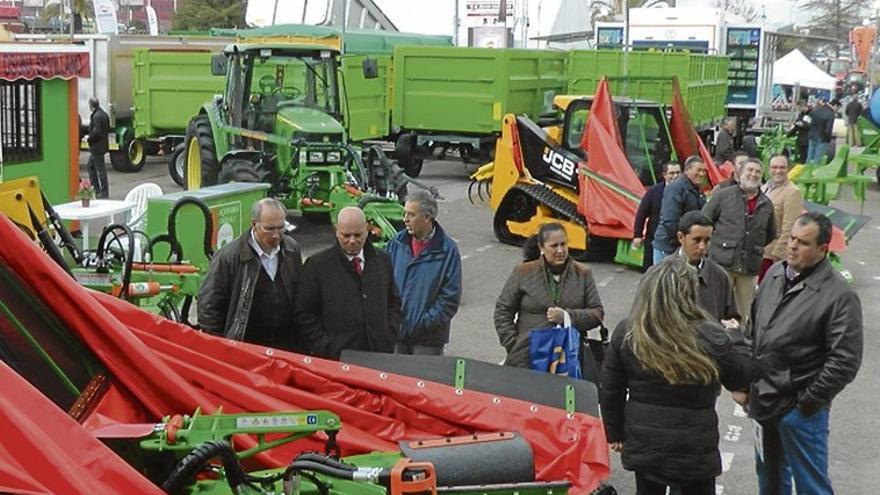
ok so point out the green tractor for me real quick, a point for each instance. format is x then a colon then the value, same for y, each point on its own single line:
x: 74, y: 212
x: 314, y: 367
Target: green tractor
x: 280, y: 121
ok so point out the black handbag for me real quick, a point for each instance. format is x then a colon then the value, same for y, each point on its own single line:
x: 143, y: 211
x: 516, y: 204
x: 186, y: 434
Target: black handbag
x: 593, y: 354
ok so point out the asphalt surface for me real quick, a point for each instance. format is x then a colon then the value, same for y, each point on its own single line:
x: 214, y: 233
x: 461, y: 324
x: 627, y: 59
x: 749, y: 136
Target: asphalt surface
x: 854, y: 441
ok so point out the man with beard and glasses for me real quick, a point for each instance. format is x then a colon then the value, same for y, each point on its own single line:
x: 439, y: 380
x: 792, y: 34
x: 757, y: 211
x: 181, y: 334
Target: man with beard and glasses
x: 744, y: 225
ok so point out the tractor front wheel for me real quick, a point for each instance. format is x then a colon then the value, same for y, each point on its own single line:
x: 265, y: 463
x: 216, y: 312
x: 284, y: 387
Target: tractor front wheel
x: 242, y: 170
x: 201, y: 169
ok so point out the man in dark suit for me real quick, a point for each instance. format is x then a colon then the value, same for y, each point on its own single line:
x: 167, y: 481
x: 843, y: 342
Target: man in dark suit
x: 99, y: 130
x: 649, y: 210
x: 347, y: 297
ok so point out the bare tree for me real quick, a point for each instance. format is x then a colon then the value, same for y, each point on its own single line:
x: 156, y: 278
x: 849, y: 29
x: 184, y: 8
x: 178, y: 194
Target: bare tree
x: 742, y: 8
x: 834, y: 18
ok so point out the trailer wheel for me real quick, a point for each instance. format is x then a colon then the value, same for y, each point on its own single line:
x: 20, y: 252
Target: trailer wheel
x: 131, y: 157
x: 405, y: 152
x: 201, y: 169
x: 177, y: 164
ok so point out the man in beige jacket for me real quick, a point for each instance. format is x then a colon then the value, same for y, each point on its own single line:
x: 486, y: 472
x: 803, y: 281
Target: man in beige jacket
x: 788, y: 204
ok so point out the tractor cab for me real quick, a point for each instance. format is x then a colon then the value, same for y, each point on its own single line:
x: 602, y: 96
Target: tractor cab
x: 643, y: 127
x: 280, y: 122
x: 282, y: 88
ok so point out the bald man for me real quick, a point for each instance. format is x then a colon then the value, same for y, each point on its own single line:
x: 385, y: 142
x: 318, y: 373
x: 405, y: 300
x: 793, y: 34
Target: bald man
x: 347, y: 297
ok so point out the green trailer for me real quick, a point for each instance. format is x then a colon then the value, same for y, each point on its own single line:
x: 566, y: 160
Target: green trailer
x: 169, y: 87
x: 456, y: 97
x: 647, y: 75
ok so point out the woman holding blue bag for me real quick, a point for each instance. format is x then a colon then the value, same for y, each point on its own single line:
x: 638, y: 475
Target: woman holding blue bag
x: 547, y: 289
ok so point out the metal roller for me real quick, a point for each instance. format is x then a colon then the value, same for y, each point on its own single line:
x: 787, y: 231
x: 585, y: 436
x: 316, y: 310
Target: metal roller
x: 480, y: 459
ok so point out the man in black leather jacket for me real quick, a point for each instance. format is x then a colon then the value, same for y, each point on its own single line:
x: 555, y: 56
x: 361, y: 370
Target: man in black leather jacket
x: 99, y: 130
x: 806, y: 339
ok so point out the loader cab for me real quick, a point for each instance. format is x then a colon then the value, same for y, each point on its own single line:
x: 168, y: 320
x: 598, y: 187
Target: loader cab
x: 643, y: 128
x: 262, y: 80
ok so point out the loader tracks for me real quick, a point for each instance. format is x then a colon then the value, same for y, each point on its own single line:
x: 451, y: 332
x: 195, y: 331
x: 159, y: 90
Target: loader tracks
x: 521, y: 203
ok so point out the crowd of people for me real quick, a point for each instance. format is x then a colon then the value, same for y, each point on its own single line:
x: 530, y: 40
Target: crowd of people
x: 348, y: 296
x: 696, y: 323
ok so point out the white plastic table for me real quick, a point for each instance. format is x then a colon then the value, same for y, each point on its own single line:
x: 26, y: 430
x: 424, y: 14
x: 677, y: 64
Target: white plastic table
x: 97, y: 209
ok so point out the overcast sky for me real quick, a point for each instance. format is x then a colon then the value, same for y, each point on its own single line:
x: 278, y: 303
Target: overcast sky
x: 435, y: 16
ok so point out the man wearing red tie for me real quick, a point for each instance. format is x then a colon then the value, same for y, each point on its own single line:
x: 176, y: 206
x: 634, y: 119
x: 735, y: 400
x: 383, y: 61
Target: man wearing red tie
x: 347, y: 297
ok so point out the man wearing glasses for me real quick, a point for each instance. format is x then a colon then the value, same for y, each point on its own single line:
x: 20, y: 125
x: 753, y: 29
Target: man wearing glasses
x: 249, y: 292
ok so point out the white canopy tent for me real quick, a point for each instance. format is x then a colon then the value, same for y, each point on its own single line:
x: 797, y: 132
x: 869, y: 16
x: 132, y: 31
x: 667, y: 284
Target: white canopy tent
x: 795, y: 68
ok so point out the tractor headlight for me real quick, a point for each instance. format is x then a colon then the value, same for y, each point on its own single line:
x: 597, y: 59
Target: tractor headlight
x: 334, y: 157
x: 316, y: 157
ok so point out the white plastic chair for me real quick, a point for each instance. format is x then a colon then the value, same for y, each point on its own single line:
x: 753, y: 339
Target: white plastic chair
x: 139, y: 195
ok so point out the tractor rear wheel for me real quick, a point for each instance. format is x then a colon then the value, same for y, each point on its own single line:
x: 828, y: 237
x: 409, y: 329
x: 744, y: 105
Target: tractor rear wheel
x: 177, y: 164
x: 202, y: 169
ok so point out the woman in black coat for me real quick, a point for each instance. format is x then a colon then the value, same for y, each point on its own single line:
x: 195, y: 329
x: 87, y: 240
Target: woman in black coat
x: 660, y: 379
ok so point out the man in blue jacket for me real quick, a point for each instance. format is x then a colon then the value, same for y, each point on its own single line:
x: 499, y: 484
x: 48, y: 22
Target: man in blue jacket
x: 684, y: 194
x: 427, y: 270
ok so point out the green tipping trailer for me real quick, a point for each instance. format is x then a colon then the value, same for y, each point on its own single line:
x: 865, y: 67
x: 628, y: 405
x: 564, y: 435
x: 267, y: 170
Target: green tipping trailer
x: 169, y: 88
x: 457, y: 96
x: 647, y: 75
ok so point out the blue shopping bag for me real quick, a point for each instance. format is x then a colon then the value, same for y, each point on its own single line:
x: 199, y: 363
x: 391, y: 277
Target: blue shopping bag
x: 555, y: 350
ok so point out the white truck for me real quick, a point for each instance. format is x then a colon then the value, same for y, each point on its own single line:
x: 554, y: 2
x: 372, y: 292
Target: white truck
x: 710, y: 31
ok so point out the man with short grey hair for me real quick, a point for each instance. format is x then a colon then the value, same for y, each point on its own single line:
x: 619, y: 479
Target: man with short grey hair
x: 249, y: 292
x: 427, y: 271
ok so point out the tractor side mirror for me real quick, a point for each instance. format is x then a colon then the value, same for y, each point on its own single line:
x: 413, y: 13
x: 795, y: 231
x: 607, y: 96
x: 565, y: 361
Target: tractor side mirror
x: 370, y: 67
x: 218, y: 65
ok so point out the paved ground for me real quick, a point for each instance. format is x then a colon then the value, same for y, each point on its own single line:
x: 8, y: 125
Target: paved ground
x: 487, y: 263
